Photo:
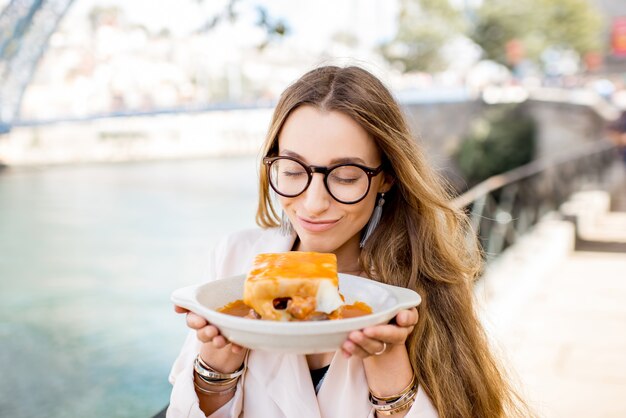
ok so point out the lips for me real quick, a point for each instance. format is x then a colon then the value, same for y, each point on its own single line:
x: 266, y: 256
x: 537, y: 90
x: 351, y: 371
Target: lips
x: 316, y: 226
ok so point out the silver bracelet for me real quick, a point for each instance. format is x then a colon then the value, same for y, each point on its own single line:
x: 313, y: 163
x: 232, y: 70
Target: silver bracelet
x: 210, y: 375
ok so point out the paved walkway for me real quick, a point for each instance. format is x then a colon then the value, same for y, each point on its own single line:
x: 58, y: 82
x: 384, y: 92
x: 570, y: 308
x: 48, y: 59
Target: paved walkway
x: 562, y: 327
x: 569, y: 346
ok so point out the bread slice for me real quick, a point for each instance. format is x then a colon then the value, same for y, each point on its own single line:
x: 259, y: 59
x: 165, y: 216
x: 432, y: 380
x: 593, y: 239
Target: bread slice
x: 293, y: 286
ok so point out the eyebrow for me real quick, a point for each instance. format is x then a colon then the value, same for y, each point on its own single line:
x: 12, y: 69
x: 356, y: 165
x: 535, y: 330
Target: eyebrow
x: 344, y: 160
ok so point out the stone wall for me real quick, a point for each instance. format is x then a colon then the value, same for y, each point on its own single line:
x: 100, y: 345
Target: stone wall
x: 564, y: 126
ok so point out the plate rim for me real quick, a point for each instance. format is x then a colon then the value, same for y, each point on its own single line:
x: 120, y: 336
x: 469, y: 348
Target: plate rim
x: 187, y: 298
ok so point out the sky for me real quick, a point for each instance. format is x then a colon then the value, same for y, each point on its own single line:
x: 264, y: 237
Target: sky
x: 311, y: 22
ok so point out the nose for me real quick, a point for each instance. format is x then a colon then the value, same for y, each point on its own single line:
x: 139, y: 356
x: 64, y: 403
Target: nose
x: 316, y: 197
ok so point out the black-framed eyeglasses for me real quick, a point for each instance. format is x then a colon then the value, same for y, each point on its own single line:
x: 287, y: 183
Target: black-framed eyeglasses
x: 347, y: 183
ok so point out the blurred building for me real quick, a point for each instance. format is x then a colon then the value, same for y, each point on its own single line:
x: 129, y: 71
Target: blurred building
x: 614, y: 13
x: 102, y: 61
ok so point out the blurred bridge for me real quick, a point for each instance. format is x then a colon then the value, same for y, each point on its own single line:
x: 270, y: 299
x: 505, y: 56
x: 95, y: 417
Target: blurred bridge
x: 25, y: 27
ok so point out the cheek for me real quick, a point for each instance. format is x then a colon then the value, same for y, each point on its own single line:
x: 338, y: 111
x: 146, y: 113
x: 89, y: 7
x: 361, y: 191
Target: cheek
x: 286, y: 203
x: 361, y: 214
x: 355, y: 216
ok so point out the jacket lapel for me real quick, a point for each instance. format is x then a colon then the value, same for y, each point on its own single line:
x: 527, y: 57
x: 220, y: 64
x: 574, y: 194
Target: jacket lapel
x: 344, y: 392
x: 236, y: 257
x: 272, y: 241
x: 287, y: 381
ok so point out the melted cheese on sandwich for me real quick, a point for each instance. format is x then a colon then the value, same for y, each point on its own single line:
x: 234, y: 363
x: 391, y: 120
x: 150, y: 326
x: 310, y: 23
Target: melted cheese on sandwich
x: 293, y: 285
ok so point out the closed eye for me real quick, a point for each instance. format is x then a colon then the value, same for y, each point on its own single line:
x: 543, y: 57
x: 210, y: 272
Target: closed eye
x: 293, y: 173
x: 343, y: 180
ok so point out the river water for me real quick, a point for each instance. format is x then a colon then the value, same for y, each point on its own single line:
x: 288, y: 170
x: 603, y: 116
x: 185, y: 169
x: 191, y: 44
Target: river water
x: 89, y: 256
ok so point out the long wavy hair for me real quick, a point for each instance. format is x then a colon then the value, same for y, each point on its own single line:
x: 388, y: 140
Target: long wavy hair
x: 421, y: 243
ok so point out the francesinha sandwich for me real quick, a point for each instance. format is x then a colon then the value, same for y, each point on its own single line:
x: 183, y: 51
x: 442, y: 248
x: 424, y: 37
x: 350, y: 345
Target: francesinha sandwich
x: 294, y: 285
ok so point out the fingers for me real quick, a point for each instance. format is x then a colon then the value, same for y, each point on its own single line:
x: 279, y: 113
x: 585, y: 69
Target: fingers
x: 207, y: 334
x: 397, y: 330
x: 211, y: 335
x: 390, y: 334
x: 370, y: 340
x: 195, y: 321
x: 407, y: 318
x: 362, y: 346
x: 236, y: 349
x: 219, y: 341
x: 180, y: 309
x: 215, y: 349
x: 350, y: 348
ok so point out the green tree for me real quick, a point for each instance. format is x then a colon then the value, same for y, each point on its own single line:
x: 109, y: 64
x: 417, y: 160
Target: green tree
x: 424, y: 27
x: 502, y: 139
x: 538, y: 25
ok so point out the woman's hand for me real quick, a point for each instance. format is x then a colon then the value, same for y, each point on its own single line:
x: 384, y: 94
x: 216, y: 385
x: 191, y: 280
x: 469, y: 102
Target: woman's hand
x: 381, y: 339
x: 216, y: 350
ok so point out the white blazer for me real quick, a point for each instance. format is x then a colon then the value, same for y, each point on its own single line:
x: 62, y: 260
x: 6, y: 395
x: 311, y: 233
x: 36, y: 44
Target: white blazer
x: 276, y: 385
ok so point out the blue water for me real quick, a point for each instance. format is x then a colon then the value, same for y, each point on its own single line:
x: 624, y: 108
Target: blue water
x: 88, y: 258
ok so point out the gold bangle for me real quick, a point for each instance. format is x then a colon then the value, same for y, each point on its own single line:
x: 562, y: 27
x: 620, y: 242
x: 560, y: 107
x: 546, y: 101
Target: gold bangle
x: 386, y: 399
x: 397, y: 410
x: 392, y: 406
x: 214, y: 392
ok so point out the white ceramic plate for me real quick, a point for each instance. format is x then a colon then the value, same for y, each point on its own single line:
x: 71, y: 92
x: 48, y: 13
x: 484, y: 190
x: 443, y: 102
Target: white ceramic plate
x: 294, y: 337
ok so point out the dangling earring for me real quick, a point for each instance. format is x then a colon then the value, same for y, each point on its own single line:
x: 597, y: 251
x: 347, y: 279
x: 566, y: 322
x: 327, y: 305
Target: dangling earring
x: 373, y: 222
x: 286, y: 228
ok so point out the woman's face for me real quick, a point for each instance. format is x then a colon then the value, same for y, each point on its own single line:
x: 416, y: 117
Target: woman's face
x: 323, y: 138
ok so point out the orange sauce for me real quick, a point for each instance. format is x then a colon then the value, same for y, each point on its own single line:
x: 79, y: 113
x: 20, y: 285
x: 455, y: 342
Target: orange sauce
x: 351, y: 311
x: 238, y: 308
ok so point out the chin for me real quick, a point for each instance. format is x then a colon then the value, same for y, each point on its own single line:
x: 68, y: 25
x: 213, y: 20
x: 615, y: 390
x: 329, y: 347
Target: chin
x: 317, y: 243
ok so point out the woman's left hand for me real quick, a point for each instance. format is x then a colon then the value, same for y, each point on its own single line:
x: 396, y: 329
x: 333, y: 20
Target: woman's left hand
x: 380, y: 339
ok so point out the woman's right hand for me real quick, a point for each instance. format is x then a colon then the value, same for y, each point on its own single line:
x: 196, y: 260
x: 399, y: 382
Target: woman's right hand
x: 216, y: 350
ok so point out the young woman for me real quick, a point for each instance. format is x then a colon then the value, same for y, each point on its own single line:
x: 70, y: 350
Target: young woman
x: 350, y: 180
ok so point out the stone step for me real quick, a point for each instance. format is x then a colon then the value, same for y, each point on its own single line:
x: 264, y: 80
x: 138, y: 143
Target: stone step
x: 597, y: 227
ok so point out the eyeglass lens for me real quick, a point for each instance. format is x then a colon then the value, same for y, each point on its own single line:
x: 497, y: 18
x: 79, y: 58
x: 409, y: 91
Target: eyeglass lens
x: 346, y: 183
